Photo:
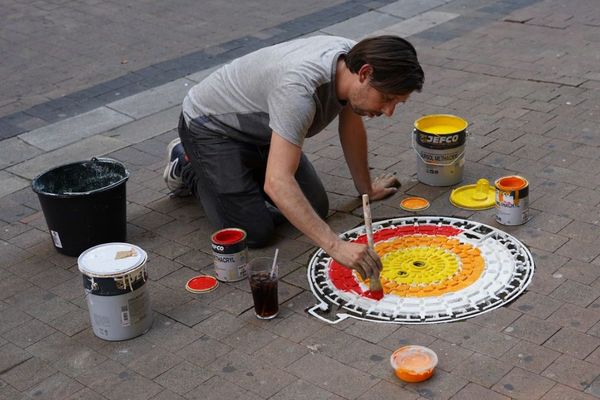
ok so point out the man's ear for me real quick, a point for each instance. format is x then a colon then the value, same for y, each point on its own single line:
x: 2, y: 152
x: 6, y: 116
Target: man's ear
x: 365, y: 72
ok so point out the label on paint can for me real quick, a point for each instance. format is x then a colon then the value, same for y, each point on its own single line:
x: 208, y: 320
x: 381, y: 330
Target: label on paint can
x: 56, y: 239
x: 512, y: 200
x: 230, y: 254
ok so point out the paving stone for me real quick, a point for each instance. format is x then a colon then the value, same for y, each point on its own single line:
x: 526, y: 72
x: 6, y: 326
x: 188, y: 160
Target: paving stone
x: 154, y: 362
x: 533, y: 329
x: 521, y: 384
x: 531, y: 357
x: 170, y: 334
x: 404, y: 336
x: 56, y: 387
x: 66, y: 354
x: 111, y: 380
x: 576, y: 293
x: 280, y: 353
x: 28, y: 374
x: 370, y: 333
x: 442, y: 385
x: 191, y: 313
x: 147, y: 127
x: 295, y: 327
x: 7, y: 392
x: 574, y: 343
x: 361, y: 25
x: 417, y: 24
x: 68, y: 131
x: 250, y: 338
x: 203, y: 351
x: 489, y: 342
x: 28, y: 333
x: 86, y: 394
x: 481, y: 369
x: 581, y: 272
x: 153, y: 100
x: 11, y: 357
x: 220, y: 325
x: 331, y: 375
x: 572, y: 372
x: 10, y: 318
x: 579, y: 250
x: 167, y: 395
x: 386, y: 390
x: 164, y: 298
x: 85, y: 149
x: 575, y: 317
x: 217, y: 388
x: 560, y: 392
x: 475, y: 392
x: 15, y: 150
x: 10, y: 183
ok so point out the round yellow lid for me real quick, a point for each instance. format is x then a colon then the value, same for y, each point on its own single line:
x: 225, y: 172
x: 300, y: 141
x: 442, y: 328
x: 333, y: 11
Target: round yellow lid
x: 479, y: 196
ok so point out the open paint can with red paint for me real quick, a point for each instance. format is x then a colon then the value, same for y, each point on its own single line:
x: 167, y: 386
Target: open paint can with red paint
x: 230, y: 254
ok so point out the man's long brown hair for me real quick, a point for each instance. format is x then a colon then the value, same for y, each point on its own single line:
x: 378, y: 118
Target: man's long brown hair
x: 396, y: 69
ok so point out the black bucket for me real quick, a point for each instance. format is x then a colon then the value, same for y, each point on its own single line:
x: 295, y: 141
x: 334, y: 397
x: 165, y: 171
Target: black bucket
x: 84, y: 204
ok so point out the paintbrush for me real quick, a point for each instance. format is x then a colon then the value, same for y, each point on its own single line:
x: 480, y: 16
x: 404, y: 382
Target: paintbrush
x: 375, y: 288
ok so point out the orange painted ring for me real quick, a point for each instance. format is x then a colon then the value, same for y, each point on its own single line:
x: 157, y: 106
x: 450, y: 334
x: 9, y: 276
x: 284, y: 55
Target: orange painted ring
x: 511, y: 183
x: 414, y: 204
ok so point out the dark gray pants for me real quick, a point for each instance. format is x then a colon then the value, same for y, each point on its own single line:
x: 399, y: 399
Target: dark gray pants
x: 228, y: 177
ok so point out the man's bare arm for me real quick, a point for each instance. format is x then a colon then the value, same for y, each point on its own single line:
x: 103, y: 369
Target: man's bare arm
x: 283, y: 189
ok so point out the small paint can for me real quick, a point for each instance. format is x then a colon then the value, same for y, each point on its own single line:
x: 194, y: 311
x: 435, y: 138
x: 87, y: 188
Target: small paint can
x: 512, y: 200
x: 230, y: 254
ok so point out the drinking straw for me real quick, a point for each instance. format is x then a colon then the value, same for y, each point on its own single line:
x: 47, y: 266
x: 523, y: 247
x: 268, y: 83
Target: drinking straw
x: 274, y: 263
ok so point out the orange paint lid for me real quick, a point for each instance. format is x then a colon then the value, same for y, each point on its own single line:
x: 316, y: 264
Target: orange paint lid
x: 201, y: 284
x: 414, y: 204
x: 414, y: 363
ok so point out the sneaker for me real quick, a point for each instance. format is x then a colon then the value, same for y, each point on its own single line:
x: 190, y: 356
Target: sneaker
x: 176, y: 159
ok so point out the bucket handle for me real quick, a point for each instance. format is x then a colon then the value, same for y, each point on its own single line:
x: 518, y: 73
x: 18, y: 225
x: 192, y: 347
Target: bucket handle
x: 435, y: 163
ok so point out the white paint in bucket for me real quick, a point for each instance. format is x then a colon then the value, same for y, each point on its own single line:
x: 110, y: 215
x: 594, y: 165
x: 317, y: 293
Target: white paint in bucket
x: 439, y: 141
x: 512, y: 200
x: 117, y: 299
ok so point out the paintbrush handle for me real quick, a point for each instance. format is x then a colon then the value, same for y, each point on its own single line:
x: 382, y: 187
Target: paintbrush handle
x: 368, y: 221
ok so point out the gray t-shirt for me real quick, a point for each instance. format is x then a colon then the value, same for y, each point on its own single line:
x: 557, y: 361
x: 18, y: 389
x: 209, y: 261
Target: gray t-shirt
x: 288, y: 88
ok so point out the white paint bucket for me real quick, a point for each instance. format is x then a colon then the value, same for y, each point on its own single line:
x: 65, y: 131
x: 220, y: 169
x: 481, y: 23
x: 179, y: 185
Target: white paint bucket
x: 114, y: 280
x: 512, y: 200
x: 439, y: 141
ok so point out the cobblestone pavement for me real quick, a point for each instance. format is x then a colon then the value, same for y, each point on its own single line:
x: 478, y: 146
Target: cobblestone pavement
x: 525, y: 73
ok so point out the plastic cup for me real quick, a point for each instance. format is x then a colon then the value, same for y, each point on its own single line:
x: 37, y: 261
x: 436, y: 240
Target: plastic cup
x: 414, y: 363
x: 263, y: 284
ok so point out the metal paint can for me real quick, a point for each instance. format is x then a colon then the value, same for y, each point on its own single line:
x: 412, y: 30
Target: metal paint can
x: 230, y: 254
x: 439, y: 141
x: 512, y: 200
x: 114, y: 280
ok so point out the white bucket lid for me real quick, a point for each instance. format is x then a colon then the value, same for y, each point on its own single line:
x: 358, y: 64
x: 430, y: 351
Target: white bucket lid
x: 99, y: 261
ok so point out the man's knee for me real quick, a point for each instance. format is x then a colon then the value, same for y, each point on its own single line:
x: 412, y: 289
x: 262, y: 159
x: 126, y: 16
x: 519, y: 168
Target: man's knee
x: 260, y: 236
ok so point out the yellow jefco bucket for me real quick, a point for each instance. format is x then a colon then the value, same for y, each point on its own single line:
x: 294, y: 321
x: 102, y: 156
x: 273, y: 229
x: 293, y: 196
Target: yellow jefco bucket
x: 439, y: 141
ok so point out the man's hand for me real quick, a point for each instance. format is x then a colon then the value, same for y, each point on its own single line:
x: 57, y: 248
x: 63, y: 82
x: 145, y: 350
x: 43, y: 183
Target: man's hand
x: 383, y: 186
x: 358, y: 257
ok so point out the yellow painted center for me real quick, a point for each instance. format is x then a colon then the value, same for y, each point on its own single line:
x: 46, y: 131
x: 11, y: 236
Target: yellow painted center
x: 428, y: 265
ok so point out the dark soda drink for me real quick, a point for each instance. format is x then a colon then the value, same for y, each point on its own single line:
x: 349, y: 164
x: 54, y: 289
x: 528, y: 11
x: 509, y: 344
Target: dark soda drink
x: 264, y: 293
